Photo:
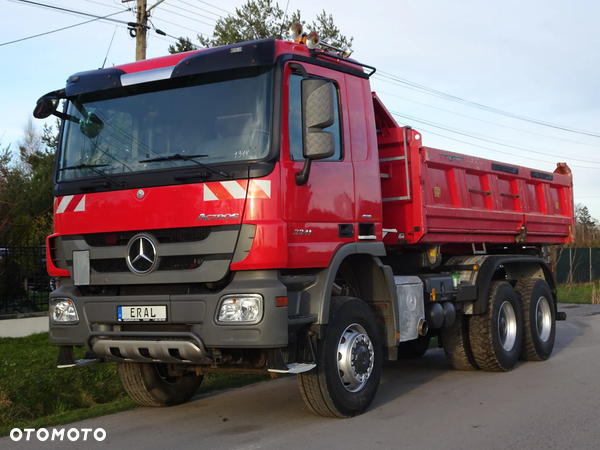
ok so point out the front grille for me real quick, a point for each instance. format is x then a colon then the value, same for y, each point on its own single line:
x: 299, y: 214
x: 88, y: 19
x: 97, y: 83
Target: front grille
x: 111, y: 265
x: 183, y: 262
x: 154, y: 327
x: 179, y: 262
x: 164, y: 236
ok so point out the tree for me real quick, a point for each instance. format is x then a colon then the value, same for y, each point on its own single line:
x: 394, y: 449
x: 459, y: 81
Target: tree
x: 586, y: 227
x: 183, y: 44
x: 26, y: 185
x: 260, y: 19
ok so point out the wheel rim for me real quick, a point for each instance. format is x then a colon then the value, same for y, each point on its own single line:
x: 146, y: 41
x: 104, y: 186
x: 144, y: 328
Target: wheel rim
x: 355, y: 358
x: 543, y: 319
x: 507, y: 326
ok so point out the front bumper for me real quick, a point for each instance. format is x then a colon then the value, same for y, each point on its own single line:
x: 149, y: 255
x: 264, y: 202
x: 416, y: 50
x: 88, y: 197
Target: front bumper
x: 191, y: 325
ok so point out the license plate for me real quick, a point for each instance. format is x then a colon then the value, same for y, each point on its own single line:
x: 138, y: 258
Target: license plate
x: 142, y: 313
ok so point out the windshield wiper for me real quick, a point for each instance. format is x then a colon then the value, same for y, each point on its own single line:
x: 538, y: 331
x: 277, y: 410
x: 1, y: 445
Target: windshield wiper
x: 178, y: 157
x: 94, y: 168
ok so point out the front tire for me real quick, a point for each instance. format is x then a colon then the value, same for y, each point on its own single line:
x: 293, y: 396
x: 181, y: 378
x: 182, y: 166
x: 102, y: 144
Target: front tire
x: 149, y: 384
x: 349, y: 362
x: 496, y: 334
x: 539, y: 319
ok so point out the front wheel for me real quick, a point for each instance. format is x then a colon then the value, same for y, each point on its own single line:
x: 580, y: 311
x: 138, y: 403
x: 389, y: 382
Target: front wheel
x: 150, y: 384
x: 349, y: 362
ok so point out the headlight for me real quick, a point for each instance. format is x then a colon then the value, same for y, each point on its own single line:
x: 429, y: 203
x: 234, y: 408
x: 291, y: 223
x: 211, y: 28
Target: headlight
x: 244, y: 308
x: 62, y: 310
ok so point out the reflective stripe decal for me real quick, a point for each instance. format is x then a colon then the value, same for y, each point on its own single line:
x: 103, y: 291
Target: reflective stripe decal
x: 236, y: 190
x: 71, y: 203
x: 64, y: 203
x: 80, y: 206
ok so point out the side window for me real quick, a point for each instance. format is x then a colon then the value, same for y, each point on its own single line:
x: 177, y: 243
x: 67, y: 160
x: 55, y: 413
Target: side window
x: 295, y: 123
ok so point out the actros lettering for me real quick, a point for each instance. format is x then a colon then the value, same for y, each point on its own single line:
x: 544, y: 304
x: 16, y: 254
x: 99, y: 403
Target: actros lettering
x: 218, y: 217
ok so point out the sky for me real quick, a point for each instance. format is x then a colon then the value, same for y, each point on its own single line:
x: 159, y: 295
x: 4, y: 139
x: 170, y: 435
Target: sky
x: 536, y: 59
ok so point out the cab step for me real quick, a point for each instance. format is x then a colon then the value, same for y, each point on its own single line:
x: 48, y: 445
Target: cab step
x: 295, y: 368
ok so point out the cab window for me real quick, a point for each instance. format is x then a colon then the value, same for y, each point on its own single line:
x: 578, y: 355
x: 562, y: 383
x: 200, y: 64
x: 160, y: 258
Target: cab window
x: 295, y: 123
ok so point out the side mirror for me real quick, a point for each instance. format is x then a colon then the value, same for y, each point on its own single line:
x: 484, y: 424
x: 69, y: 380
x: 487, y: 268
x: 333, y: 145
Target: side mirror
x: 318, y: 113
x: 46, y: 105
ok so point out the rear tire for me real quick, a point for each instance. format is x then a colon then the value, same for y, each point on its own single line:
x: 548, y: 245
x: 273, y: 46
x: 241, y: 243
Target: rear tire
x: 349, y: 362
x: 455, y: 340
x: 539, y: 319
x: 149, y: 384
x: 496, y: 334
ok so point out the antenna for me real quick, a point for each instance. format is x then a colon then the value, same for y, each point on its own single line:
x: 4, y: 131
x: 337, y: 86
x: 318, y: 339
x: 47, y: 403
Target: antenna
x: 109, y: 47
x: 284, y: 19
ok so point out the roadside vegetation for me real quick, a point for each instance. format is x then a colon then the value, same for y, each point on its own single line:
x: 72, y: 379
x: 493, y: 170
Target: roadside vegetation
x: 579, y: 293
x: 35, y: 394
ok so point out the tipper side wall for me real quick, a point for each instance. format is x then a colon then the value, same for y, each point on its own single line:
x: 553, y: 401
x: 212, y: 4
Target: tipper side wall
x: 433, y: 196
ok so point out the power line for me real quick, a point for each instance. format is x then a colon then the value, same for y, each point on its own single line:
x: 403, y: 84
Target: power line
x: 216, y: 7
x: 71, y: 11
x: 191, y: 12
x: 168, y: 35
x: 449, y: 97
x: 485, y: 139
x: 487, y: 121
x: 103, y: 4
x: 201, y: 9
x: 186, y: 17
x: 492, y: 149
x: 180, y: 26
x: 60, y: 29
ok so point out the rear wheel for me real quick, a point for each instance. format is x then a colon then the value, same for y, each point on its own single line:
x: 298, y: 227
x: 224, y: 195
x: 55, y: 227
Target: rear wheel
x: 496, y: 335
x: 349, y: 362
x: 539, y: 319
x: 455, y: 340
x: 150, y: 384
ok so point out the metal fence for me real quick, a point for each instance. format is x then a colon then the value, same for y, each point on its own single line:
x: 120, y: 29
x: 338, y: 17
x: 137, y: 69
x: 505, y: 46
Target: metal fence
x: 577, y: 265
x: 24, y: 282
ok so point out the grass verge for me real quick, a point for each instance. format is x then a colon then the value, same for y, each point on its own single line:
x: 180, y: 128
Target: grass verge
x: 34, y: 393
x: 579, y: 293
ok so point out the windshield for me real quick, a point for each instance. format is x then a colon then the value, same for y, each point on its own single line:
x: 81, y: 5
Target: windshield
x: 227, y: 121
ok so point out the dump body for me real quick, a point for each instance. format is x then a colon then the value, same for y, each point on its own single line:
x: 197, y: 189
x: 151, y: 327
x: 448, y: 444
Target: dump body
x: 432, y: 196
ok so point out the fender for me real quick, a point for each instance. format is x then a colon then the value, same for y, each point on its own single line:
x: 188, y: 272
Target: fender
x: 320, y: 291
x: 517, y: 267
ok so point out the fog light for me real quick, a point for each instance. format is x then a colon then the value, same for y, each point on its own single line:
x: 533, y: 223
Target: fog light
x: 245, y: 308
x: 62, y: 310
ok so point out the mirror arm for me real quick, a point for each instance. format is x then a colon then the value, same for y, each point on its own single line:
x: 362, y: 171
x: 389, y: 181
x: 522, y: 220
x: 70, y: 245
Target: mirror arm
x: 299, y: 68
x: 302, y: 176
x: 64, y: 116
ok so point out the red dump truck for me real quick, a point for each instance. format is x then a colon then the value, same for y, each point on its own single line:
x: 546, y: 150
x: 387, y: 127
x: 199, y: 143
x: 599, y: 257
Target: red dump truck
x: 256, y: 208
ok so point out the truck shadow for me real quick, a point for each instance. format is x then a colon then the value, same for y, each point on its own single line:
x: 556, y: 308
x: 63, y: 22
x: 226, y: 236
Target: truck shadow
x: 403, y: 376
x: 404, y: 379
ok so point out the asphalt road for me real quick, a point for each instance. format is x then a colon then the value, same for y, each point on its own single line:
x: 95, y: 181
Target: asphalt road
x: 421, y: 404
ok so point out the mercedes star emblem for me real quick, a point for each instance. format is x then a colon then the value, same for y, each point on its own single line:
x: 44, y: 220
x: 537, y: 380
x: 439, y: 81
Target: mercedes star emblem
x: 141, y: 255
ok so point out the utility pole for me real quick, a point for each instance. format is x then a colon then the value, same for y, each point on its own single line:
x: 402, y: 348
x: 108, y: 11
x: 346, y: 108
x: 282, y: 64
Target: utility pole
x: 140, y: 37
x: 140, y: 30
